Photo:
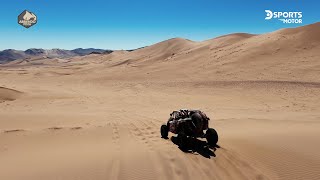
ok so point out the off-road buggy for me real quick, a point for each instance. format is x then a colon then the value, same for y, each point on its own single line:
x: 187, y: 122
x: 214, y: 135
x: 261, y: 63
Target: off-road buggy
x: 189, y: 123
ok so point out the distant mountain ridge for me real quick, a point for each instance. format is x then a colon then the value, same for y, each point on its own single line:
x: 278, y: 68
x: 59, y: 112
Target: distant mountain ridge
x: 11, y: 54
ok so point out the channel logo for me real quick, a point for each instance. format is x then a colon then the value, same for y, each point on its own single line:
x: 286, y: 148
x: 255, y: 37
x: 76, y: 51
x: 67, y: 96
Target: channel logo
x: 27, y: 19
x: 285, y: 17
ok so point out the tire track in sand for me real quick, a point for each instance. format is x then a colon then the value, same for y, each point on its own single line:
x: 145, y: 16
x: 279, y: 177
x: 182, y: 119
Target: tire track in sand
x: 115, y: 167
x: 170, y: 167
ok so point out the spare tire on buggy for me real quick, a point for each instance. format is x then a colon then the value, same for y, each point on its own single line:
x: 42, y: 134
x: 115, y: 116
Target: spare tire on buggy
x: 189, y: 123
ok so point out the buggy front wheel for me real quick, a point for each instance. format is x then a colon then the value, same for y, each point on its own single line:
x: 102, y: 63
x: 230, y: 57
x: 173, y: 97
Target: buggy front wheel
x: 164, y: 131
x: 212, y: 136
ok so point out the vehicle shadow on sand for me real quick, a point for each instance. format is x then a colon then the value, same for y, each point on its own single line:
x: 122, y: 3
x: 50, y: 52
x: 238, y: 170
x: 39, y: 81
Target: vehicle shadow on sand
x: 194, y: 145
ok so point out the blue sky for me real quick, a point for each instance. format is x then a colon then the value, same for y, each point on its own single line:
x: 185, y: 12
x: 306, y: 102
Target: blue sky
x: 128, y: 24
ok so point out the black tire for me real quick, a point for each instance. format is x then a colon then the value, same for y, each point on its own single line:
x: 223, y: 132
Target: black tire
x: 197, y: 125
x: 212, y: 137
x: 197, y: 120
x: 164, y: 130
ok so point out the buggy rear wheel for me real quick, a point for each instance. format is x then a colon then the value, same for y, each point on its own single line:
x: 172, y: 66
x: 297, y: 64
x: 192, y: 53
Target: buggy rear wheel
x: 212, y: 136
x: 164, y: 130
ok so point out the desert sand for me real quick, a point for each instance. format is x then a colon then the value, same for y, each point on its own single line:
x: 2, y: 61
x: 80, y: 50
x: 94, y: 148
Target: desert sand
x: 98, y: 116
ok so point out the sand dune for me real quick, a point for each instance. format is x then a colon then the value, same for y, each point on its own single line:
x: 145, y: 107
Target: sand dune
x: 98, y: 116
x: 284, y: 55
x: 8, y: 94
